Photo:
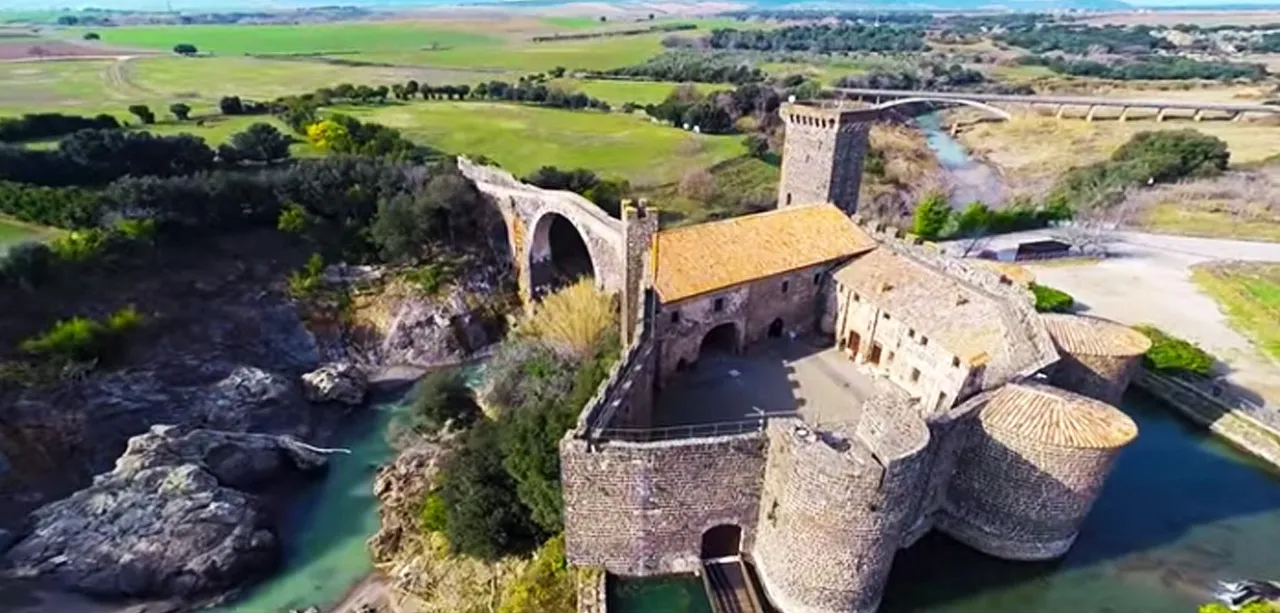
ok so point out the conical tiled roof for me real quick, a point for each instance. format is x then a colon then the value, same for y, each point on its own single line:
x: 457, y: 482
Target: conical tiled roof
x: 1084, y: 335
x: 1054, y: 416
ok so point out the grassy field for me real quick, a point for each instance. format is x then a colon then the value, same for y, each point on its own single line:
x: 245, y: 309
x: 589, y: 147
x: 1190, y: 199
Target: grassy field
x: 523, y: 138
x: 527, y: 56
x: 1206, y: 221
x: 310, y: 38
x: 639, y: 92
x: 1249, y: 293
x: 742, y: 184
x: 13, y: 232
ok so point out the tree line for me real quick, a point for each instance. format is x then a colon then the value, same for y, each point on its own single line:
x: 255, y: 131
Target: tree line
x: 1081, y: 39
x: 36, y: 126
x: 1151, y: 67
x: 842, y: 37
x: 689, y: 67
x: 927, y: 76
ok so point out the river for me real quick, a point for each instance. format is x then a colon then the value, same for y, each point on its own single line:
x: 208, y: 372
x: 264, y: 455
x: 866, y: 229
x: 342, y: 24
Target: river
x: 1180, y: 511
x: 968, y: 179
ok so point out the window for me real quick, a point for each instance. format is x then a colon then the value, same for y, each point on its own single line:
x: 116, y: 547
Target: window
x: 855, y: 297
x: 915, y: 375
x: 924, y: 341
x: 785, y: 286
x: 886, y: 316
x: 718, y: 305
x: 675, y: 317
x: 817, y: 278
x: 911, y: 333
x: 788, y: 197
x: 955, y: 362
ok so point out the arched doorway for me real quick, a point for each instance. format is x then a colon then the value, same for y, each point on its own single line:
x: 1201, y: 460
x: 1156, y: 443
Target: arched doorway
x: 720, y: 339
x: 722, y: 541
x: 775, y: 328
x: 558, y: 254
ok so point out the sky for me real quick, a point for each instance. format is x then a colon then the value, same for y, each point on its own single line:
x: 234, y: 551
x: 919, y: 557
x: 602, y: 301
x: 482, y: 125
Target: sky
x: 285, y: 4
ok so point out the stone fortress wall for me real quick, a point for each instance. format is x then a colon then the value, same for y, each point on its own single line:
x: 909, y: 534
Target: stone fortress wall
x: 823, y: 513
x: 823, y: 154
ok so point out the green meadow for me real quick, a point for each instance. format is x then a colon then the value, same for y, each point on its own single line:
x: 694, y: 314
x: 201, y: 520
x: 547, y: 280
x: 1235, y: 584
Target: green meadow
x: 14, y: 232
x: 523, y: 138
x: 309, y: 38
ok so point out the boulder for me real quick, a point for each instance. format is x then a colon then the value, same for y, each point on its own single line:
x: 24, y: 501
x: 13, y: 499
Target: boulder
x: 399, y: 488
x: 336, y: 382
x: 176, y: 517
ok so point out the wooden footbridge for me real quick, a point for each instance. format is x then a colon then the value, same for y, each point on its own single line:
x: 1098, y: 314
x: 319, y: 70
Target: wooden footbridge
x: 730, y: 587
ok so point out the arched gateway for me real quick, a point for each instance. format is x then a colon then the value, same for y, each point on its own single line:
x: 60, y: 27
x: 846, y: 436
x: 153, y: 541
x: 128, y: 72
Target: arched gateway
x: 555, y: 236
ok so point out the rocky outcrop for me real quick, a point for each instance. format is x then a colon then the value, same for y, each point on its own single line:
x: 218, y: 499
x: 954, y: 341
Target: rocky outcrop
x: 395, y: 323
x: 400, y: 487
x: 336, y: 382
x: 176, y: 517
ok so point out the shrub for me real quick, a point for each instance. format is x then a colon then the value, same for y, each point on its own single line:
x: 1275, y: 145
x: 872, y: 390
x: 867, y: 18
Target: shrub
x: 27, y: 265
x: 573, y: 320
x: 83, y: 339
x: 143, y: 112
x: 546, y: 586
x: 79, y: 246
x: 931, y: 217
x: 1170, y: 354
x: 1169, y: 155
x: 484, y: 518
x: 443, y: 396
x: 434, y: 516
x: 185, y: 49
x: 305, y: 282
x: 430, y: 278
x: 180, y: 111
x: 1051, y: 300
x: 698, y: 184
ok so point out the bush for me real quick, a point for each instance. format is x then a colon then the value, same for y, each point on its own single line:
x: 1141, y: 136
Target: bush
x: 83, y: 339
x: 185, y: 49
x: 143, y: 112
x: 430, y: 278
x: 434, y: 516
x: 180, y: 111
x: 1051, y: 300
x: 546, y: 586
x: 306, y: 282
x: 484, y: 517
x: 1170, y: 155
x: 573, y: 320
x: 1169, y: 354
x: 931, y: 217
x: 443, y: 396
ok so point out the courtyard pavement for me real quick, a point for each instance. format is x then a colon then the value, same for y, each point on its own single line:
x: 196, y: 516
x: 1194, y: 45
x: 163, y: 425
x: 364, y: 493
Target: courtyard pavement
x: 780, y: 376
x: 1147, y: 279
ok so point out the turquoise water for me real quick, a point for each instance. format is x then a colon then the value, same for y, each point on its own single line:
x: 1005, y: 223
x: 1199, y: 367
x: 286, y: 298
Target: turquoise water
x: 1180, y: 511
x: 951, y: 154
x: 324, y: 535
x: 969, y: 180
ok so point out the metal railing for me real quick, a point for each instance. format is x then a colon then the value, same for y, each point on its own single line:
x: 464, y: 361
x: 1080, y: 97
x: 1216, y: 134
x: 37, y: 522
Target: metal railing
x: 667, y: 433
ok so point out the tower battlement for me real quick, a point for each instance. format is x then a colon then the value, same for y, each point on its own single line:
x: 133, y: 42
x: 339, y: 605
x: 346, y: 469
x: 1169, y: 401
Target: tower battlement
x: 823, y: 154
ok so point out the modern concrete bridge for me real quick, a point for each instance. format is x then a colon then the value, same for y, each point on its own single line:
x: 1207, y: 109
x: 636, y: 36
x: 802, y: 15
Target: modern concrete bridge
x: 993, y: 103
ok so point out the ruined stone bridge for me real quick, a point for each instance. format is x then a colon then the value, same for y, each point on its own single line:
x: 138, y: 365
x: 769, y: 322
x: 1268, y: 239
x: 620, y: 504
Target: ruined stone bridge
x: 1090, y: 105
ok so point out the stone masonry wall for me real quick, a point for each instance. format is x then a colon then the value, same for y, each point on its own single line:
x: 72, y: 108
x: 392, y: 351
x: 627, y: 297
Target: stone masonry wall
x: 751, y: 307
x: 1236, y: 426
x: 830, y: 516
x: 1019, y: 499
x: 640, y: 509
x: 1102, y: 377
x: 823, y: 155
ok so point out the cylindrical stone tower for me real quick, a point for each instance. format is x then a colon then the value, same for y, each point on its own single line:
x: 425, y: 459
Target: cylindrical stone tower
x: 831, y: 517
x: 1032, y: 470
x: 1099, y: 356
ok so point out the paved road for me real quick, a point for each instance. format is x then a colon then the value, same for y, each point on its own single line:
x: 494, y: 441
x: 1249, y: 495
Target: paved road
x: 1149, y: 281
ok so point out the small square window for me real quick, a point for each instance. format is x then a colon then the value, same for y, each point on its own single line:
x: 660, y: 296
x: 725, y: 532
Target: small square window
x: 675, y: 317
x: 924, y: 340
x: 786, y: 285
x: 856, y: 298
x: 718, y: 305
x: 886, y: 316
x: 817, y: 278
x: 955, y: 362
x: 915, y: 375
x: 911, y: 333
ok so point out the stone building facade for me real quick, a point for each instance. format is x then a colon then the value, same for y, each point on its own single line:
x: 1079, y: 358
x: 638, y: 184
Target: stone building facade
x: 823, y: 154
x: 961, y: 432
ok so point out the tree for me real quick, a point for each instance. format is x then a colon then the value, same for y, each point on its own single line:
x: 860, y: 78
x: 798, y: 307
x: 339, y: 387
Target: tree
x: 1170, y: 155
x: 231, y: 105
x: 411, y: 88
x: 443, y: 397
x: 187, y: 49
x: 484, y: 517
x: 92, y: 36
x: 260, y: 142
x: 329, y: 135
x: 971, y: 226
x: 410, y: 226
x: 180, y: 111
x: 931, y: 217
x: 557, y: 72
x: 757, y: 145
x: 143, y: 113
x: 698, y: 184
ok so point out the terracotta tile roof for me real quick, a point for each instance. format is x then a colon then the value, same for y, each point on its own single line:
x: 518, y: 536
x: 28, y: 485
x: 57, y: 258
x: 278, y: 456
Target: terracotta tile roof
x: 1084, y: 335
x: 697, y: 259
x: 1054, y: 416
x: 965, y: 322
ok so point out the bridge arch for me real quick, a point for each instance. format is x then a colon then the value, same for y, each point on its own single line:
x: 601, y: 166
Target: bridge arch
x: 1001, y: 113
x: 558, y: 253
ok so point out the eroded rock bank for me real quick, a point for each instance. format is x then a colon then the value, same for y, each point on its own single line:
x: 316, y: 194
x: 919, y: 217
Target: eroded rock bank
x: 180, y: 515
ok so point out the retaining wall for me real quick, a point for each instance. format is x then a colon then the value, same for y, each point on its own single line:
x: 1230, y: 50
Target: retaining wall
x: 1230, y: 422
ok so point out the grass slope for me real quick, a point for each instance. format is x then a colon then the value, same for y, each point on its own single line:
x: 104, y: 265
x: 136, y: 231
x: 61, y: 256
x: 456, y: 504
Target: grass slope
x: 308, y: 38
x: 523, y: 138
x: 742, y: 185
x: 527, y: 56
x: 13, y: 232
x: 639, y: 92
x: 1249, y: 293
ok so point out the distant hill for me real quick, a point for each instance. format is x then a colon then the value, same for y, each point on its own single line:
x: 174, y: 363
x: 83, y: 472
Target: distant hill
x: 950, y: 5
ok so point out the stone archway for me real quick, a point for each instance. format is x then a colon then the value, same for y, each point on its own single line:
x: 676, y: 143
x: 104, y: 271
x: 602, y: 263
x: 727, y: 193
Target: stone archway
x: 558, y: 254
x: 720, y: 339
x: 722, y: 541
x: 776, y: 328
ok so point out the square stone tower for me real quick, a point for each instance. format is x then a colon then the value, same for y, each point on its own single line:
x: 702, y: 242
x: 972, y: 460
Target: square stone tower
x: 822, y: 156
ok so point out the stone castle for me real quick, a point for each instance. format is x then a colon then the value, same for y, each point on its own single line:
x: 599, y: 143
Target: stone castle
x: 812, y: 392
